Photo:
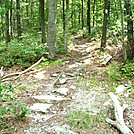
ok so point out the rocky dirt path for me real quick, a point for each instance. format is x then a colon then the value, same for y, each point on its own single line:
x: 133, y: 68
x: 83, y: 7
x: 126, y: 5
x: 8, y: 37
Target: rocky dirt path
x: 78, y: 83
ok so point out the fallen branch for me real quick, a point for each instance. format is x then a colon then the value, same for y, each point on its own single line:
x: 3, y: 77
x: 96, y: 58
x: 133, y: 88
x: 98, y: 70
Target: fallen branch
x: 118, y: 111
x: 18, y: 74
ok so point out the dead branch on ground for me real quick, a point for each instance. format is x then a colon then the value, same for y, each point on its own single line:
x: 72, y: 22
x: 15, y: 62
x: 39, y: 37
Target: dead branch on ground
x: 18, y: 74
x: 118, y: 111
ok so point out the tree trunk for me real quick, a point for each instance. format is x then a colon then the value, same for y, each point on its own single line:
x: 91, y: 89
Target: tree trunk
x: 82, y: 13
x: 88, y: 17
x: 10, y: 19
x: 66, y: 26
x: 19, y: 30
x: 130, y: 45
x: 105, y: 24
x: 27, y: 12
x: 123, y: 36
x: 42, y: 21
x: 94, y: 12
x: 51, y: 38
x: 63, y: 10
x: 7, y: 22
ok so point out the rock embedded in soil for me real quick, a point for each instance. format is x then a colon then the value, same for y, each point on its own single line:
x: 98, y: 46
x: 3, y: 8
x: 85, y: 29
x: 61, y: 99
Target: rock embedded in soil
x: 40, y: 107
x: 62, y: 90
x: 65, y: 129
x: 50, y: 98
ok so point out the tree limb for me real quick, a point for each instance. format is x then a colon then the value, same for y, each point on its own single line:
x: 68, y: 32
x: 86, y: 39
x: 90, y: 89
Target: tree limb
x: 18, y: 74
x: 118, y: 110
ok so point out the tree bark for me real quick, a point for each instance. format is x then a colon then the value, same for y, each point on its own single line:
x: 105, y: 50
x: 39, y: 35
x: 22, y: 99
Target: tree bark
x: 130, y: 36
x: 82, y: 14
x: 51, y: 38
x: 19, y: 30
x: 94, y: 12
x: 42, y: 21
x: 122, y: 30
x: 105, y: 24
x: 7, y: 22
x: 88, y: 17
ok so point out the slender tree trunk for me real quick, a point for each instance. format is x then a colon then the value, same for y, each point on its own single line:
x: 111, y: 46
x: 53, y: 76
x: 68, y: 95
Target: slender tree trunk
x: 7, y: 22
x: 10, y: 19
x: 31, y: 12
x: 27, y: 13
x: 66, y: 26
x: 2, y: 25
x: 51, y: 38
x: 72, y: 14
x: 130, y: 36
x: 94, y: 12
x: 63, y: 9
x: 88, y: 17
x: 19, y: 30
x: 82, y: 13
x: 105, y: 24
x: 123, y: 36
x: 42, y: 20
x: 79, y: 16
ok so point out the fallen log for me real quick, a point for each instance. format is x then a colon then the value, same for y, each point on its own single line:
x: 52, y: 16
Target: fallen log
x: 118, y: 111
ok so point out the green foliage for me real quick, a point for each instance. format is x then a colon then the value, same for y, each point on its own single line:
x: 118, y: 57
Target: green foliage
x: 47, y: 62
x: 127, y: 70
x: 113, y: 71
x: 1, y: 132
x: 130, y: 88
x: 19, y: 53
x: 9, y: 106
x: 116, y: 71
x: 82, y: 119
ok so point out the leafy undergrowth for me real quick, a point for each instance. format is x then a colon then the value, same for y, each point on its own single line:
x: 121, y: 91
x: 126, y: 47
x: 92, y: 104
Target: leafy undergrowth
x: 11, y: 110
x: 19, y: 53
x: 82, y: 119
x: 120, y: 73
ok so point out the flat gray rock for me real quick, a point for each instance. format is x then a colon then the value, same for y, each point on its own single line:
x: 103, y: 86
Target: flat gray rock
x: 40, y: 107
x: 62, y: 90
x: 49, y: 98
x: 64, y: 129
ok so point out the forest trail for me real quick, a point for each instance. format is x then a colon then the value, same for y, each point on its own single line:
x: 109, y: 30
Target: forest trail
x: 78, y: 83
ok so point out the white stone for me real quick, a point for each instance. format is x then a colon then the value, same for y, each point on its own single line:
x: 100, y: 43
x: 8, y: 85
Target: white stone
x: 72, y: 87
x: 120, y: 89
x: 49, y: 98
x: 63, y: 80
x: 63, y: 91
x: 55, y: 74
x: 40, y: 75
x: 40, y: 107
x: 61, y: 129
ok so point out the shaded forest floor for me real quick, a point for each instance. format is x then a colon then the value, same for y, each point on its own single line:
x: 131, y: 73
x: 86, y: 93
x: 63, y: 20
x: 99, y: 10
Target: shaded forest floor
x: 84, y: 86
